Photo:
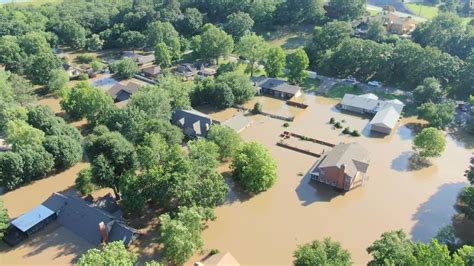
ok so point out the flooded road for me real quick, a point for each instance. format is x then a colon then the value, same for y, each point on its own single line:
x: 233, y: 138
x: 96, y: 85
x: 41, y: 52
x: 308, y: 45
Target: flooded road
x: 267, y: 228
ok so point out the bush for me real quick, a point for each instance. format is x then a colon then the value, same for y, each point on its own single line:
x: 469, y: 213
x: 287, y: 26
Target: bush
x: 257, y: 108
x: 84, y: 59
x: 355, y: 133
x: 346, y: 130
x: 214, y: 252
x: 286, y: 124
x: 332, y: 121
x: 65, y: 150
x: 83, y: 76
x: 338, y: 125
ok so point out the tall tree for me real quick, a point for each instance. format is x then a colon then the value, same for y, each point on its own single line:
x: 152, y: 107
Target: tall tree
x: 348, y: 9
x: 252, y: 47
x: 429, y: 91
x: 125, y: 68
x: 326, y: 252
x: 65, y: 150
x: 19, y: 133
x: 392, y: 248
x: 238, y: 24
x: 11, y: 170
x: 275, y: 62
x: 430, y: 142
x: 214, y: 43
x: 57, y: 80
x: 301, y: 11
x: 226, y: 139
x: 254, y: 168
x: 114, y: 253
x: 162, y: 55
x: 329, y: 36
x: 377, y: 31
x: 438, y: 115
x: 191, y: 21
x: 4, y: 219
x: 297, y: 64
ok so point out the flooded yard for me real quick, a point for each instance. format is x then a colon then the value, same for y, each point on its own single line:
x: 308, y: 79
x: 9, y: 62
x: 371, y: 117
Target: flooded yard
x: 267, y: 228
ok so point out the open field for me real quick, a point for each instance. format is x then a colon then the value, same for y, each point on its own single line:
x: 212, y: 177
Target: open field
x: 289, y: 38
x: 266, y: 229
x: 423, y: 10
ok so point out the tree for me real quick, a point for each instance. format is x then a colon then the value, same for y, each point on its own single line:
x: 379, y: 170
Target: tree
x: 162, y: 55
x: 44, y: 119
x: 467, y: 202
x: 181, y: 236
x: 429, y: 91
x: 177, y: 90
x: 467, y: 254
x: 392, y: 248
x: 204, y: 156
x: 111, y: 156
x: 430, y: 142
x: 85, y: 101
x: 11, y: 170
x: 4, y: 219
x: 11, y: 54
x: 40, y: 65
x: 254, y: 168
x: 154, y: 101
x: 57, y: 80
x: 96, y: 65
x: 326, y: 252
x: 377, y: 31
x: 163, y: 32
x: 238, y: 24
x: 65, y: 150
x: 348, y: 9
x: 114, y: 253
x: 438, y: 115
x: 22, y: 91
x: 240, y: 85
x: 214, y: 43
x: 226, y: 139
x: 434, y: 253
x: 252, y: 47
x: 94, y: 43
x: 191, y: 22
x: 132, y: 39
x: 275, y: 62
x: 301, y: 11
x: 125, y: 68
x: 297, y: 64
x: 71, y: 34
x: 37, y: 162
x: 18, y: 133
x: 84, y: 182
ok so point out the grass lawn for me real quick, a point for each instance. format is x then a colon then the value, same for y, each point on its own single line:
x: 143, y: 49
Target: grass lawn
x: 373, y: 11
x: 423, y: 10
x: 338, y: 90
x: 289, y: 37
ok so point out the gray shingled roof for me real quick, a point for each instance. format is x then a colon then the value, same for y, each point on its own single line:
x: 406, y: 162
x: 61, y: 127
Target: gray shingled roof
x: 194, y: 123
x: 152, y: 70
x: 352, y: 155
x: 122, y: 92
x: 275, y: 84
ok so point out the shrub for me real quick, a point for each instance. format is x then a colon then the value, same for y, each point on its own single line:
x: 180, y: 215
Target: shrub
x: 214, y: 252
x: 338, y: 125
x: 355, y: 133
x: 83, y: 76
x: 286, y: 124
x: 84, y: 182
x: 257, y: 108
x: 346, y: 130
x: 84, y: 59
x: 332, y: 121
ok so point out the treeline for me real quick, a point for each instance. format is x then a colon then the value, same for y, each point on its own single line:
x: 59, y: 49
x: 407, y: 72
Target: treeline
x: 40, y: 141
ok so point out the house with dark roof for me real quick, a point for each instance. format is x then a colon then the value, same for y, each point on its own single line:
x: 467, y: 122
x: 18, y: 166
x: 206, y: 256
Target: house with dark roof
x: 186, y: 70
x: 386, y: 113
x: 120, y: 92
x: 344, y: 166
x: 90, y: 221
x: 193, y: 123
x: 276, y: 87
x: 153, y: 71
x: 140, y: 59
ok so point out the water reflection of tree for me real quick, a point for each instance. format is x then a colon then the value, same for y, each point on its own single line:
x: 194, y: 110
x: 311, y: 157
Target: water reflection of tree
x: 436, y: 211
x: 409, y: 161
x: 462, y: 138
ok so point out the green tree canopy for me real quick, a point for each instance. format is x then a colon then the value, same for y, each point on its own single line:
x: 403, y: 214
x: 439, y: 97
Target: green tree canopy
x: 114, y: 253
x: 65, y: 150
x: 226, y: 139
x: 392, y: 248
x: 274, y: 62
x: 438, y: 115
x: 162, y: 55
x: 11, y: 170
x: 154, y: 101
x: 430, y: 142
x: 429, y: 91
x: 297, y: 64
x: 377, y: 31
x: 4, y: 219
x: 254, y: 168
x: 18, y: 133
x: 57, y: 80
x: 214, y: 43
x: 252, y: 47
x: 326, y: 252
x: 125, y: 68
x: 37, y: 162
x: 348, y: 9
x: 238, y: 24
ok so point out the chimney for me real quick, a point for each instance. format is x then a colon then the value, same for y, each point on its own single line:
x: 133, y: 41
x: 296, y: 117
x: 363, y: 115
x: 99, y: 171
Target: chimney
x: 104, y: 235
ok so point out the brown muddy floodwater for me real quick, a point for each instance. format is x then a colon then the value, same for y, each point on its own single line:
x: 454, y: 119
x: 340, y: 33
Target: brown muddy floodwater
x: 267, y: 228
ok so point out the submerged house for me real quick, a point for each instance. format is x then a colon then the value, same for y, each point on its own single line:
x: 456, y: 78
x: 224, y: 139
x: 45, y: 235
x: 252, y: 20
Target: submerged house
x: 98, y: 222
x: 386, y: 113
x: 276, y: 87
x: 193, y: 123
x: 344, y: 166
x: 219, y: 259
x: 120, y: 92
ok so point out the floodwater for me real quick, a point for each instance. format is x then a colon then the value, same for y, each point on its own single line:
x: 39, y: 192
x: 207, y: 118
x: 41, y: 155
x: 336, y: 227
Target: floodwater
x: 274, y: 106
x: 54, y: 244
x: 267, y: 228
